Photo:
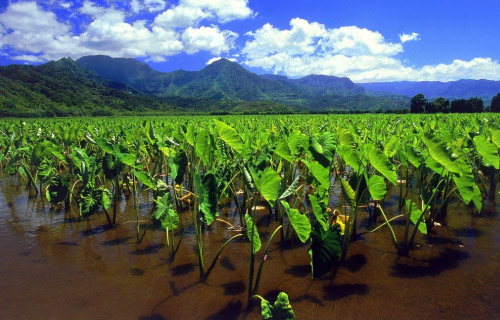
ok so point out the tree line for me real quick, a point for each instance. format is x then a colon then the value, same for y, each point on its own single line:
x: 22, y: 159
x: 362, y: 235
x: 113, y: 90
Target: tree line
x: 419, y: 104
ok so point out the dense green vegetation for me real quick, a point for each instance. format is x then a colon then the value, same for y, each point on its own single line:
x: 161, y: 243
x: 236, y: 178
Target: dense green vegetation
x: 292, y: 165
x: 100, y: 85
x: 419, y: 104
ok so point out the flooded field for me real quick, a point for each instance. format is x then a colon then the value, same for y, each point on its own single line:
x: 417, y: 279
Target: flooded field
x: 54, y: 266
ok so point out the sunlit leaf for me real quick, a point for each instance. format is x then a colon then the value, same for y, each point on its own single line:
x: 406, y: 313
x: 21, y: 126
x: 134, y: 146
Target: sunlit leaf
x: 300, y: 222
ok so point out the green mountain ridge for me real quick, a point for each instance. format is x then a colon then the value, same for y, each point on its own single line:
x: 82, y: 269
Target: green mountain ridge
x: 101, y: 85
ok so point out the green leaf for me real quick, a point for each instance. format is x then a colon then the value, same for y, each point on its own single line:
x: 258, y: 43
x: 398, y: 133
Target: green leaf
x: 202, y: 146
x: 127, y: 158
x: 318, y: 211
x: 298, y: 143
x: 325, y: 248
x: 165, y: 213
x: 495, y: 137
x: 283, y: 150
x: 291, y: 189
x: 145, y: 178
x: 178, y: 165
x: 465, y: 183
x: 266, y: 309
x: 477, y: 198
x: 282, y: 308
x: 391, y: 147
x: 381, y: 163
x: 111, y: 166
x: 229, y: 135
x: 300, y: 222
x: 413, y: 156
x: 439, y: 152
x: 268, y: 183
x: 350, y: 156
x: 58, y: 189
x: 252, y: 233
x: 487, y: 150
x: 376, y: 187
x: 349, y: 193
x: 320, y: 173
x: 345, y: 137
x: 206, y: 191
x: 415, y: 215
x: 323, y: 148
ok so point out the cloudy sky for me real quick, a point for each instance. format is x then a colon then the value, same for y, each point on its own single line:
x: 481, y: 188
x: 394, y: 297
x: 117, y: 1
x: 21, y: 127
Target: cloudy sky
x: 365, y: 40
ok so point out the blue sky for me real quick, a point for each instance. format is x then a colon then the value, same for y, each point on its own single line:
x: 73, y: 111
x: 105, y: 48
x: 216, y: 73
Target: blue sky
x: 369, y: 40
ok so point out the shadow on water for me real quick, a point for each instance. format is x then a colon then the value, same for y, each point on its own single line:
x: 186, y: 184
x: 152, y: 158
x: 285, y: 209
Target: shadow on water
x: 230, y: 311
x: 299, y: 271
x: 136, y: 272
x: 150, y: 249
x: 468, y: 232
x: 183, y: 269
x: 448, y: 260
x: 68, y: 243
x: 308, y: 297
x: 234, y: 288
x: 355, y: 262
x: 226, y: 263
x: 153, y: 317
x: 340, y: 291
x: 96, y: 230
x: 117, y: 241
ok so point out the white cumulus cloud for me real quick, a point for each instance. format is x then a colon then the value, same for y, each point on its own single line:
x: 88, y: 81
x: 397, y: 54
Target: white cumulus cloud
x: 360, y: 54
x: 218, y: 58
x: 34, y: 33
x: 405, y: 37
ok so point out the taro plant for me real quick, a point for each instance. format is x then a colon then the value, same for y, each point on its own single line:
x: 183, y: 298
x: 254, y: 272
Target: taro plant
x: 280, y: 310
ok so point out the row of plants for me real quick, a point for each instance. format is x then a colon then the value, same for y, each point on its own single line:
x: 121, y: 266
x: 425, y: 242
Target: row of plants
x: 282, y: 162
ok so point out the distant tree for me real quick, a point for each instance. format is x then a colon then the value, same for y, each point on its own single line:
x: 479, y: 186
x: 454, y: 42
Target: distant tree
x: 418, y: 103
x: 495, y: 103
x: 467, y: 106
x: 441, y: 105
x: 476, y: 104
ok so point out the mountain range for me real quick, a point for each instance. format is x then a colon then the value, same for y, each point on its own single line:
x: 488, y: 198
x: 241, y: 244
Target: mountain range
x: 101, y: 85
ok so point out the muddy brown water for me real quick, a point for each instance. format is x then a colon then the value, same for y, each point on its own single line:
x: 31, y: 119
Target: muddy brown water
x: 55, y: 267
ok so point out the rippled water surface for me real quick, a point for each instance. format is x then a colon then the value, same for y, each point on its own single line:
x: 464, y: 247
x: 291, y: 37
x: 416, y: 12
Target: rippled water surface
x: 54, y: 266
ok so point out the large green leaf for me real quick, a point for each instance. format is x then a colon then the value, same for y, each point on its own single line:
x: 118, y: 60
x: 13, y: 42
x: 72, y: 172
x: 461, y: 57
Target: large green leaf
x: 268, y: 183
x: 345, y: 137
x: 415, y: 215
x: 298, y: 143
x: 465, y: 183
x: 495, y: 136
x: 111, y: 166
x: 319, y: 211
x: 206, y: 191
x: 376, y: 187
x: 350, y: 156
x: 413, y: 156
x: 178, y: 165
x: 202, y: 145
x: 165, y: 213
x: 252, y: 233
x: 323, y: 148
x: 349, y: 193
x: 440, y: 153
x: 381, y: 163
x: 229, y: 135
x: 300, y: 222
x: 145, y: 178
x: 320, y: 173
x: 58, y: 189
x: 291, y: 189
x: 325, y: 248
x: 487, y: 150
x: 283, y: 150
x: 392, y: 146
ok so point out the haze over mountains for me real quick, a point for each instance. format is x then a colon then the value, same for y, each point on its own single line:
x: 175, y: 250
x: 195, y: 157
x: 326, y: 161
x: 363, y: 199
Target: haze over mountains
x: 101, y: 85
